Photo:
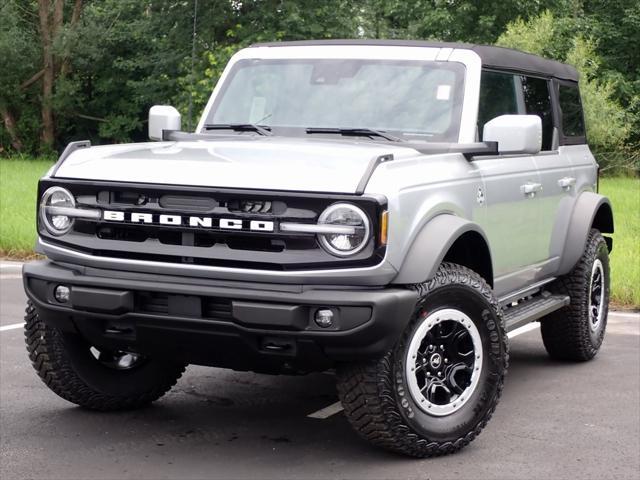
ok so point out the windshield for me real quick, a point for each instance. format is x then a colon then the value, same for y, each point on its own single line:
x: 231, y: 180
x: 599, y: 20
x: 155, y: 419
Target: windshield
x: 413, y: 100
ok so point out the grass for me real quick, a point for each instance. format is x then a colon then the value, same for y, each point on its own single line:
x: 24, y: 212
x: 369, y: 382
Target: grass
x: 625, y: 258
x: 18, y: 189
x: 19, y: 178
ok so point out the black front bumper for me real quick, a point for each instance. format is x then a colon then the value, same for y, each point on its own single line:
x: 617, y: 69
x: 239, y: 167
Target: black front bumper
x: 239, y: 325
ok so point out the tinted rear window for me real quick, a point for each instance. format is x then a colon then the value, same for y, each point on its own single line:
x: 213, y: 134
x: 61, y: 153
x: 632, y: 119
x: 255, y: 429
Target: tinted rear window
x: 571, y: 106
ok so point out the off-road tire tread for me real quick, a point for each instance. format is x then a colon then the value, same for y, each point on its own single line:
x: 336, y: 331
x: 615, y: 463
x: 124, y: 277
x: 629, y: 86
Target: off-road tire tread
x: 565, y: 333
x: 366, y: 390
x: 46, y: 352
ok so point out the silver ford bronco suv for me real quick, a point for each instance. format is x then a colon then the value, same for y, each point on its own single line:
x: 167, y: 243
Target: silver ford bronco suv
x: 387, y: 209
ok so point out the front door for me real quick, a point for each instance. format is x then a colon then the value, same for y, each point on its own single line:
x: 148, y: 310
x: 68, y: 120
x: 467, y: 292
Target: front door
x: 512, y: 221
x: 512, y: 189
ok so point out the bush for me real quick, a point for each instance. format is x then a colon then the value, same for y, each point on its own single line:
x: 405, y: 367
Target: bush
x: 608, y: 124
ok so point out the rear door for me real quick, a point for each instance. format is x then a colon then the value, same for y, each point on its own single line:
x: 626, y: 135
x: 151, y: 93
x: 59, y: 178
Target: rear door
x: 557, y: 174
x: 573, y: 141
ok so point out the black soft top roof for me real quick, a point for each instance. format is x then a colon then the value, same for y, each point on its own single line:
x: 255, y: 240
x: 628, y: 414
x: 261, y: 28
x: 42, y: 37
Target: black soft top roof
x: 491, y: 56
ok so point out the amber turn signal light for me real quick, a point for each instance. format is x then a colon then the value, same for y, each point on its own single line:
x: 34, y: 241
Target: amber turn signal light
x: 384, y: 227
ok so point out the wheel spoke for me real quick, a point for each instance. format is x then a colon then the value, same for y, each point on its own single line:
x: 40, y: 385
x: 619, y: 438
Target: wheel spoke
x: 597, y: 277
x: 462, y: 346
x: 438, y: 393
x: 459, y: 377
x: 421, y: 366
x: 469, y: 361
x: 428, y: 340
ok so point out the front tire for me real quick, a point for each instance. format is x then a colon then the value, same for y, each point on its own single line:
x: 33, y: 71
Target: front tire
x: 438, y: 387
x: 576, y: 331
x: 95, y: 379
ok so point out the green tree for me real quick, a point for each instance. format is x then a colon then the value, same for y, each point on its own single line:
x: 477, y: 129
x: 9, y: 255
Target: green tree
x: 74, y: 69
x: 19, y: 56
x: 255, y: 21
x: 615, y: 24
x: 473, y: 21
x: 35, y: 59
x: 608, y: 124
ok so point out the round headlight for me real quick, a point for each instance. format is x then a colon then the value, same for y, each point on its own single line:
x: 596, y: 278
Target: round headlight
x: 344, y: 244
x: 56, y: 197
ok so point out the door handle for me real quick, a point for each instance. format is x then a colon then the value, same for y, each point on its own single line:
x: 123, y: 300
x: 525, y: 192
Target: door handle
x: 566, y: 182
x: 530, y: 189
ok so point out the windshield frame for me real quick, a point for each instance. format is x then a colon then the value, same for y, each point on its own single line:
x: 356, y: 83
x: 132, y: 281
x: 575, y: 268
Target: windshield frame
x: 470, y: 59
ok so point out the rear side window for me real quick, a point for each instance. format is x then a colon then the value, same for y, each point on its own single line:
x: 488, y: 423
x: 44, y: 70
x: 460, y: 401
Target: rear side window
x: 498, y: 96
x: 571, y: 107
x: 537, y: 101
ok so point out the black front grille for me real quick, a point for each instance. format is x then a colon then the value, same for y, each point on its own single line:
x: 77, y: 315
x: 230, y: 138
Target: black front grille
x: 167, y: 236
x: 210, y: 244
x: 187, y: 203
x: 257, y: 206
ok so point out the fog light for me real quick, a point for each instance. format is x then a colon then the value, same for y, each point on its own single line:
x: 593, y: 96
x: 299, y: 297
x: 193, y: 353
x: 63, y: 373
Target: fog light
x: 62, y: 293
x: 324, y: 318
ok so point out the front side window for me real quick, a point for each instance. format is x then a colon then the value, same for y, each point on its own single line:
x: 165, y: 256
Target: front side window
x: 537, y: 101
x: 498, y: 96
x: 414, y: 100
x: 510, y: 94
x: 571, y: 107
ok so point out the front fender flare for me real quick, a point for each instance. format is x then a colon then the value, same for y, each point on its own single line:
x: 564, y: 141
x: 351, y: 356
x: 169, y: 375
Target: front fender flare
x: 590, y: 210
x: 431, y: 245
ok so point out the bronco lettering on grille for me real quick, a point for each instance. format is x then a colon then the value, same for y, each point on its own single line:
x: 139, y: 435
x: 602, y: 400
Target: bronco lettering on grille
x: 179, y: 220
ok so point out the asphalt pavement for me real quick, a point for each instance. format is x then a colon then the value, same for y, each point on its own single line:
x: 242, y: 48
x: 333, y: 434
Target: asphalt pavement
x: 555, y: 420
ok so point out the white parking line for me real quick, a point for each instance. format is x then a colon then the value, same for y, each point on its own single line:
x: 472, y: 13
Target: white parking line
x: 13, y: 326
x: 10, y: 265
x: 625, y: 315
x: 326, y: 412
x: 9, y: 276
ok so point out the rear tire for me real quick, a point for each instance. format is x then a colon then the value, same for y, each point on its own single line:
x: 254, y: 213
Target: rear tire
x: 576, y: 331
x: 65, y: 363
x: 439, y: 400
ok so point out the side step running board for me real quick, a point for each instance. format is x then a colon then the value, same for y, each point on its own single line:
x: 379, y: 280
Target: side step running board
x: 533, y: 309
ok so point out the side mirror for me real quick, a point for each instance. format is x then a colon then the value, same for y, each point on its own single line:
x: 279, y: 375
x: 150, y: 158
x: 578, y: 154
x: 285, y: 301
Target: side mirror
x: 162, y: 117
x: 515, y: 133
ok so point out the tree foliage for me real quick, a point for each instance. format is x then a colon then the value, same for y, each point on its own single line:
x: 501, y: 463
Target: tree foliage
x: 18, y: 55
x: 108, y: 61
x: 609, y: 124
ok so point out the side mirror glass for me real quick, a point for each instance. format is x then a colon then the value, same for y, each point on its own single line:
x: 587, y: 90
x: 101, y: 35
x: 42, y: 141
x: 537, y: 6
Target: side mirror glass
x: 515, y: 133
x: 163, y: 117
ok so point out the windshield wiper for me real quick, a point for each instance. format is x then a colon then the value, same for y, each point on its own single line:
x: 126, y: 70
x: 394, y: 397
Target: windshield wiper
x: 240, y: 127
x: 360, y: 132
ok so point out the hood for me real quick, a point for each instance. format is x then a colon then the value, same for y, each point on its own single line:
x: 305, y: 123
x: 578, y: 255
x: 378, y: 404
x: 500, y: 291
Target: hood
x: 266, y: 163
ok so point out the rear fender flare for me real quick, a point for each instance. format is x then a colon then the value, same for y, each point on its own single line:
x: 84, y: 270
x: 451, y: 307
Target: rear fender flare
x: 590, y: 211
